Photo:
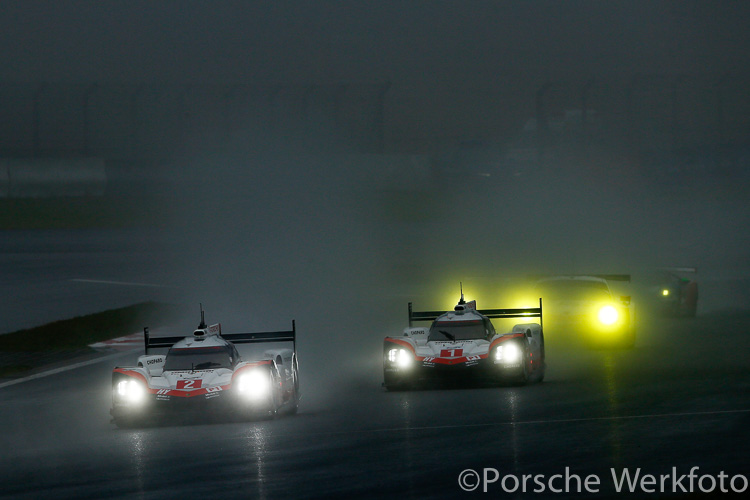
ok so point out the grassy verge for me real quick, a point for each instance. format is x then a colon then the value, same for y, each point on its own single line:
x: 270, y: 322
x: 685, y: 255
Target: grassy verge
x: 79, y: 332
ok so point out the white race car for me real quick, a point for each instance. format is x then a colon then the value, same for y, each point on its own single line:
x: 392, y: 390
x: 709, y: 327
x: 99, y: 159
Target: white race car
x: 462, y: 345
x: 584, y: 309
x: 204, y: 372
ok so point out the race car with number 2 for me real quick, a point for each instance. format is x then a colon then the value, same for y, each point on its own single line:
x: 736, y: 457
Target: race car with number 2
x: 204, y: 373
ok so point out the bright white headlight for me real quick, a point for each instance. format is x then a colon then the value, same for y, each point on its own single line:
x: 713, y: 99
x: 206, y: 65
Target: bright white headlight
x: 400, y: 357
x: 665, y: 292
x: 131, y: 391
x: 509, y: 353
x: 253, y: 384
x: 404, y: 358
x: 607, y: 315
x: 393, y: 355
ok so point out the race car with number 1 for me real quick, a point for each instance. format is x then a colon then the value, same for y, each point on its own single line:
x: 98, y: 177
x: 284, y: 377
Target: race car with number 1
x: 462, y: 346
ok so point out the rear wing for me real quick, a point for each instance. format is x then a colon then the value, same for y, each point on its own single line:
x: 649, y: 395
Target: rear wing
x: 258, y: 337
x: 528, y: 312
x: 673, y: 270
x: 156, y: 342
x: 613, y: 277
x: 608, y: 277
x: 236, y: 338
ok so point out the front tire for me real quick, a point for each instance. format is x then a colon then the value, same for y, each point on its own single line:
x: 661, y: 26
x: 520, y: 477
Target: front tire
x: 629, y: 341
x: 540, y: 372
x: 124, y: 423
x: 523, y: 377
x: 392, y: 383
x: 295, y: 396
x: 275, y: 398
x: 125, y: 420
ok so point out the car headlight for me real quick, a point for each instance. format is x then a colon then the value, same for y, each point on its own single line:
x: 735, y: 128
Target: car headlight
x: 665, y: 292
x: 400, y: 357
x: 608, y: 315
x: 254, y: 384
x: 508, y: 353
x: 131, y: 391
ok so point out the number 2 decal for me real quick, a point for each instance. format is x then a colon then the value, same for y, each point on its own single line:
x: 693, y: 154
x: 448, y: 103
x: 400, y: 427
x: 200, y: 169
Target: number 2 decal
x: 189, y: 384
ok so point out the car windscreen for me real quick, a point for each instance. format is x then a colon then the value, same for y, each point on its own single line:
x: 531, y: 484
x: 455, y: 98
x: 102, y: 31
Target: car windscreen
x: 457, y: 330
x: 572, y: 289
x: 202, y: 358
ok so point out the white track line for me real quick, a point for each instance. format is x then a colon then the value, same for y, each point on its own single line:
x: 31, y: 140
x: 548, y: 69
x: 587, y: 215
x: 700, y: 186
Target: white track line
x: 64, y: 368
x: 119, y: 283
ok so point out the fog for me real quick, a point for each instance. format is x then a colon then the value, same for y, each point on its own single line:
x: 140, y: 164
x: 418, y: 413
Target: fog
x: 265, y: 231
x: 329, y: 163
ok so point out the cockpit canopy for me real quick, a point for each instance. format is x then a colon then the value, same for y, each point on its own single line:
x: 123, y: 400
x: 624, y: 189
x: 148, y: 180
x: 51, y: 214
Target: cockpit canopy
x: 201, y: 358
x: 474, y: 327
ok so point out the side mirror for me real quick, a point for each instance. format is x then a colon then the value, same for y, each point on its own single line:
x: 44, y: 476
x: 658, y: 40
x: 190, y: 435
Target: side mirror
x: 418, y: 334
x: 153, y: 364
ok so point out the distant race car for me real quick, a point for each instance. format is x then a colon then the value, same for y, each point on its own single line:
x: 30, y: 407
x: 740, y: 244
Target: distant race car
x: 205, y: 373
x: 677, y: 295
x: 462, y: 345
x: 583, y: 308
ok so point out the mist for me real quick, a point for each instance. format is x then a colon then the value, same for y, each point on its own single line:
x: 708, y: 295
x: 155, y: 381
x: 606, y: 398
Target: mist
x: 272, y: 228
x: 329, y: 165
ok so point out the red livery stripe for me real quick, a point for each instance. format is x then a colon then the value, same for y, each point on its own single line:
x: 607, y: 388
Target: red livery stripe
x: 402, y: 343
x: 132, y: 373
x: 453, y: 361
x: 504, y: 338
x: 250, y: 366
x: 189, y: 394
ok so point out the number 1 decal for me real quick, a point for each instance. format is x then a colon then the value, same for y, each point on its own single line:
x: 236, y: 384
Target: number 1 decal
x: 451, y: 353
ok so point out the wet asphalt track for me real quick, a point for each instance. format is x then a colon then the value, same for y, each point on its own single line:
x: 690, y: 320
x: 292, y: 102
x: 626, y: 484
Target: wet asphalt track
x: 680, y: 399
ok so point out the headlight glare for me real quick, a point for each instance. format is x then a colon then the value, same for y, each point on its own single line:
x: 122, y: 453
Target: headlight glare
x: 608, y: 315
x: 400, y: 357
x: 253, y: 384
x: 665, y: 292
x: 131, y: 391
x: 508, y: 353
x: 393, y: 355
x: 404, y: 358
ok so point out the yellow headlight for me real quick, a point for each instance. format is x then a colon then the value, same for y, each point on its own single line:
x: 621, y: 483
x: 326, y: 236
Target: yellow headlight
x: 665, y: 292
x: 608, y: 315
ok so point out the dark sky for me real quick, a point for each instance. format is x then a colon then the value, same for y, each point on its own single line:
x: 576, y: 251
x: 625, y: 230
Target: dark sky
x: 435, y: 43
